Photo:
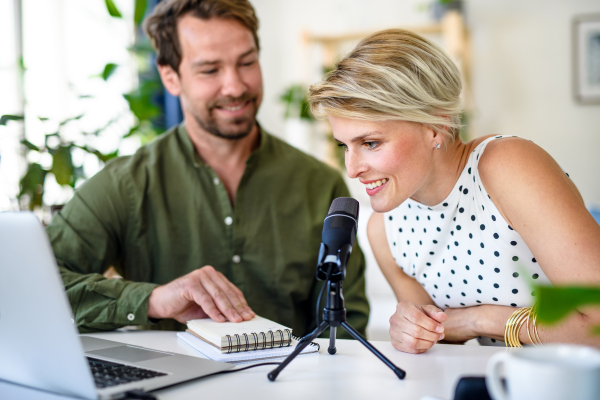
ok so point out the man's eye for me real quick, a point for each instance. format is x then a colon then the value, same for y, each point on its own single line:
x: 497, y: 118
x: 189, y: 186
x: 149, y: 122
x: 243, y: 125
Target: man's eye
x: 343, y: 145
x: 209, y: 72
x: 248, y: 63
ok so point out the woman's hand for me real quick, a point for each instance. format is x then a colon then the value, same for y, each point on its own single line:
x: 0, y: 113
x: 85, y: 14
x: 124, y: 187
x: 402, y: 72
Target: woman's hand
x: 415, y: 328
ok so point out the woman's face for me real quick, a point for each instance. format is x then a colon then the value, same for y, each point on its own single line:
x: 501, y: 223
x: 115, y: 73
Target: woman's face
x: 393, y: 159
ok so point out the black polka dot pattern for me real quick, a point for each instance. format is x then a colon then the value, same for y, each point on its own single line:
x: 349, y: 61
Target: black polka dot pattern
x: 462, y: 251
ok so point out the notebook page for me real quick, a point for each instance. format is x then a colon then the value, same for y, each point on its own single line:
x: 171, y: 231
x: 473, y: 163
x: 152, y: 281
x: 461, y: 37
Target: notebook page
x: 215, y: 332
x: 246, y: 356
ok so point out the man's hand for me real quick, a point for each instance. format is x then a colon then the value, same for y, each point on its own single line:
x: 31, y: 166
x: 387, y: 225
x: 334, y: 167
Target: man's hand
x: 202, y: 293
x: 414, y: 328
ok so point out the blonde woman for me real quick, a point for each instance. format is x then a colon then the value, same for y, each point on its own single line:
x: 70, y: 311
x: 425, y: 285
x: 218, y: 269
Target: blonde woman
x: 460, y: 229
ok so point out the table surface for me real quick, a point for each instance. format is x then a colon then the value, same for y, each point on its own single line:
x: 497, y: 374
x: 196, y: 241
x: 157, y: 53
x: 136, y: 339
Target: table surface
x: 352, y: 373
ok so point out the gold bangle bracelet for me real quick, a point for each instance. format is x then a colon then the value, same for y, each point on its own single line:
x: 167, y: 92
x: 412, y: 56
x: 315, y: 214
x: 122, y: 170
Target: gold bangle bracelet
x: 513, y: 326
x: 527, y: 316
x: 536, y: 337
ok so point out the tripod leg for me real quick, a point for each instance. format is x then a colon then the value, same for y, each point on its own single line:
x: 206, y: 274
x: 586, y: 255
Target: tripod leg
x: 332, y: 332
x: 305, y: 341
x: 400, y: 373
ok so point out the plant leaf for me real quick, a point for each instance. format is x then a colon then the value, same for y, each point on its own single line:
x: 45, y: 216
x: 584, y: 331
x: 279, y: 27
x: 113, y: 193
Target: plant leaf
x: 32, y: 185
x: 101, y: 156
x: 29, y: 145
x: 8, y: 117
x: 140, y: 100
x: 555, y: 303
x: 108, y: 70
x: 140, y: 11
x: 112, y: 9
x: 62, y: 166
x: 66, y: 121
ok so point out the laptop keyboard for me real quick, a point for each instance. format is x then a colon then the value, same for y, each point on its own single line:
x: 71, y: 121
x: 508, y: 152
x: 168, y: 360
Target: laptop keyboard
x: 108, y: 374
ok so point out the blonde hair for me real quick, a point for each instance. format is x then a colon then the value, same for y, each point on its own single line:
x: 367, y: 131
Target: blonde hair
x: 393, y: 74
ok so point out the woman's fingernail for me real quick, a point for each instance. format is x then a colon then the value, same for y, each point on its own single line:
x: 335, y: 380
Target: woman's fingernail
x: 442, y: 336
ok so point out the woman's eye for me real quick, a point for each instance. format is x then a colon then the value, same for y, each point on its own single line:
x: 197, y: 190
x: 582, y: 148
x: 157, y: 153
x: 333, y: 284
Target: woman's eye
x: 371, y: 145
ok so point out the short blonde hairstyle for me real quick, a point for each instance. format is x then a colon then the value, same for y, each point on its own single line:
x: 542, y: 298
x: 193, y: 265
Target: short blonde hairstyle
x: 393, y: 74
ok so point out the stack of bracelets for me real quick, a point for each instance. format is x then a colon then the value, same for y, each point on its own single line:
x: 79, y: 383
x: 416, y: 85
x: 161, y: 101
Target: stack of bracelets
x: 515, y: 322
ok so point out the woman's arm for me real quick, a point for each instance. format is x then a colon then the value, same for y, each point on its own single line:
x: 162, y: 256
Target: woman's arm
x: 416, y: 324
x: 405, y: 288
x: 541, y: 203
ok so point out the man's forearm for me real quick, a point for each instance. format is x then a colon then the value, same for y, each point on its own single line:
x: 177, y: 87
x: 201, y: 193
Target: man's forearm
x: 101, y: 304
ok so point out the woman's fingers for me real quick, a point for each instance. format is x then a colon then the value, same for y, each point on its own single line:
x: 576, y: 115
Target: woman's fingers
x: 413, y: 330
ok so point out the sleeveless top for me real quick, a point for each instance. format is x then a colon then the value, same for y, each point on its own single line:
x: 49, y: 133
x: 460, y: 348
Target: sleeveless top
x: 462, y: 251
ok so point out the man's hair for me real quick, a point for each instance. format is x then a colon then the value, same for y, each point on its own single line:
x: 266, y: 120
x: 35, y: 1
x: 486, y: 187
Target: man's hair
x: 393, y: 74
x: 161, y: 25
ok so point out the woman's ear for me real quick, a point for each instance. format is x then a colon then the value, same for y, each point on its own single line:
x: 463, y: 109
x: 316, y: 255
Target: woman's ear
x: 434, y: 137
x: 440, y: 134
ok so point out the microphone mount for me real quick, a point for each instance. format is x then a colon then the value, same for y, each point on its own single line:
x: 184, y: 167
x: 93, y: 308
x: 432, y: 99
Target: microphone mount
x: 331, y: 268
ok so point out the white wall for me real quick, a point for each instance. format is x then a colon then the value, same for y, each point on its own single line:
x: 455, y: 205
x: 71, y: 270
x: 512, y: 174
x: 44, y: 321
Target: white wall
x: 522, y: 82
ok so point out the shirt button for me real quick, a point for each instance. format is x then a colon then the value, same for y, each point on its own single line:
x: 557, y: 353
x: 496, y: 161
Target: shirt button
x: 130, y: 316
x: 236, y: 259
x: 216, y: 181
x: 228, y: 221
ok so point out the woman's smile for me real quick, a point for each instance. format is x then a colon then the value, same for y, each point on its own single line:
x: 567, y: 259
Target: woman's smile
x: 374, y: 187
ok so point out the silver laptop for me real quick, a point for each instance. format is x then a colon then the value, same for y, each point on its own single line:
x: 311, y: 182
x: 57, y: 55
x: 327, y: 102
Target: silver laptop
x: 39, y: 343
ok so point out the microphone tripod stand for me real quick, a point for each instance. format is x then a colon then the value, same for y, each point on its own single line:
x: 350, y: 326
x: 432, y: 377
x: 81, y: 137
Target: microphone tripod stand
x: 334, y: 315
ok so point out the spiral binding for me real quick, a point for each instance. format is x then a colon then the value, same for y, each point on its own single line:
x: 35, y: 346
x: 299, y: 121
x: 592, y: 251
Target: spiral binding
x: 237, y: 343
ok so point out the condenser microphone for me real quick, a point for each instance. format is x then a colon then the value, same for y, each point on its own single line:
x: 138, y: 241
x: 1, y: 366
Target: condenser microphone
x: 339, y: 234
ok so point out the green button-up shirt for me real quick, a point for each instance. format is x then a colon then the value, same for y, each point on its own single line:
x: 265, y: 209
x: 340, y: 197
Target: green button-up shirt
x: 163, y: 212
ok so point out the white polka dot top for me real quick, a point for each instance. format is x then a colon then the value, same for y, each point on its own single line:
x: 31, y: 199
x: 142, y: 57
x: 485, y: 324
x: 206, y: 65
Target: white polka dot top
x: 462, y: 251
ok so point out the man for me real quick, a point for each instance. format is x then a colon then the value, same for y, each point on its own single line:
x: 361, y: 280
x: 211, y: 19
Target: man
x: 215, y: 218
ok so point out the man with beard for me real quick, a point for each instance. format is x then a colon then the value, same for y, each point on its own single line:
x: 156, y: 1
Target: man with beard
x: 215, y: 218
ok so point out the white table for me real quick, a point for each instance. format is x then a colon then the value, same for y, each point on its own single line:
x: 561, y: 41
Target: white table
x: 352, y: 373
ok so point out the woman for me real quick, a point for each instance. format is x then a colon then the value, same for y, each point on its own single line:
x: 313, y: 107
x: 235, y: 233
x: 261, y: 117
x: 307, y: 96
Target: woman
x: 459, y: 227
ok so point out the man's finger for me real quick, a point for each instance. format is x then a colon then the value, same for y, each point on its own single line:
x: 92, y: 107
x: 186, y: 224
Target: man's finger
x: 220, y: 296
x: 200, y: 296
x: 241, y: 306
x: 234, y: 295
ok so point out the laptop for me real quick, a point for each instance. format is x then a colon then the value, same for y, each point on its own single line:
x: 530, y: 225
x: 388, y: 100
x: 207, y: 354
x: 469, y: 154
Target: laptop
x: 39, y: 343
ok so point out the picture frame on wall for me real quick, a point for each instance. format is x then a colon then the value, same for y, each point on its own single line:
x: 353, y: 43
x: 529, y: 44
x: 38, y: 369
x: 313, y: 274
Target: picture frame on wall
x: 586, y: 58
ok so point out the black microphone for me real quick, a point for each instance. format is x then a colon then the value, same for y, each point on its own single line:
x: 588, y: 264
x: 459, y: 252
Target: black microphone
x: 339, y: 234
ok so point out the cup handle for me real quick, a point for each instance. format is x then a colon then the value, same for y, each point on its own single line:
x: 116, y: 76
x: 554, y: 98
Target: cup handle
x: 493, y: 380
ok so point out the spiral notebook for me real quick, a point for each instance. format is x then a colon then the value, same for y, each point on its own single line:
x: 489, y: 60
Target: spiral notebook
x: 245, y: 356
x: 233, y: 337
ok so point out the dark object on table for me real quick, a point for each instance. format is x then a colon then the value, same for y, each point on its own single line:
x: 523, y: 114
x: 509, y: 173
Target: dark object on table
x: 471, y: 388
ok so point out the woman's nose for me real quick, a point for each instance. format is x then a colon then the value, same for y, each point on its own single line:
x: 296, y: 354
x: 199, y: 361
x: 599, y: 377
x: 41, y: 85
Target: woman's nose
x: 354, y: 164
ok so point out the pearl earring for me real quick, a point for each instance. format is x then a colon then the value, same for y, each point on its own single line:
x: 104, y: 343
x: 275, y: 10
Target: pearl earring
x: 437, y: 145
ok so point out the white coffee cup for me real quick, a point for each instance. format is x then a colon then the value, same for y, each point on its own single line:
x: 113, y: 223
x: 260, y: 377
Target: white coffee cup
x: 552, y: 372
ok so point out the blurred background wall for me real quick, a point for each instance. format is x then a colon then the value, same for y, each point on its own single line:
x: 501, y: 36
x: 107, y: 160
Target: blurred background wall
x: 521, y: 55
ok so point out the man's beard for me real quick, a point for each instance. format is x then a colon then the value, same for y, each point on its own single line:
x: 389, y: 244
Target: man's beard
x: 243, y: 125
